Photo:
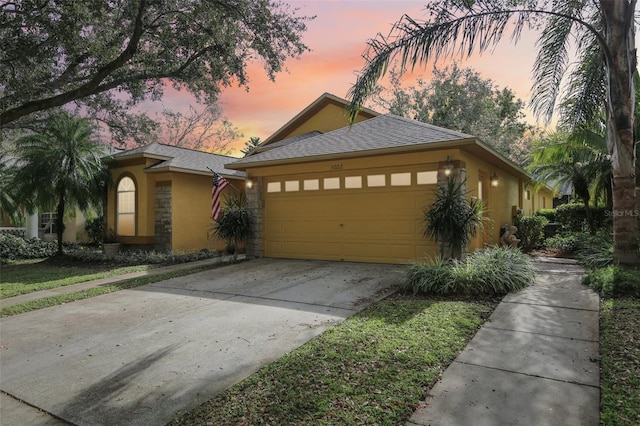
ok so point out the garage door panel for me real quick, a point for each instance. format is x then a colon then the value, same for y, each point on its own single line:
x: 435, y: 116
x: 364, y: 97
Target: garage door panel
x: 368, y: 224
x: 425, y: 251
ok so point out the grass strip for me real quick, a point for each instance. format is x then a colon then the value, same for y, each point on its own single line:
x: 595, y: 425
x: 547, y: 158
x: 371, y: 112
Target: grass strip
x: 620, y: 361
x: 373, y: 368
x: 97, y: 291
x: 24, y: 278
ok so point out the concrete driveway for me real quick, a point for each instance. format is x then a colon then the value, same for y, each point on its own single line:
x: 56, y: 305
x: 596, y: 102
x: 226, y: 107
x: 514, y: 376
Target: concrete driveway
x: 141, y: 356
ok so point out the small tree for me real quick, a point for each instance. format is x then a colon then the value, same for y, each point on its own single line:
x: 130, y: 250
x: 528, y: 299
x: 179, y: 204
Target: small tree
x: 235, y: 222
x: 452, y: 220
x: 60, y: 167
x: 250, y: 145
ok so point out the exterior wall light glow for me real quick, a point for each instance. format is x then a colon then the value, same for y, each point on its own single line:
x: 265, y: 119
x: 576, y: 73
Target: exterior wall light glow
x: 494, y: 180
x: 448, y: 167
x: 249, y: 183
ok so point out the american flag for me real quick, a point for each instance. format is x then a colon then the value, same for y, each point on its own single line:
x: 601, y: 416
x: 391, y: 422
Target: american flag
x: 219, y: 183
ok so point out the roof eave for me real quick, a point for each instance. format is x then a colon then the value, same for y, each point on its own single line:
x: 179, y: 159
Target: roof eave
x: 138, y: 155
x: 164, y: 169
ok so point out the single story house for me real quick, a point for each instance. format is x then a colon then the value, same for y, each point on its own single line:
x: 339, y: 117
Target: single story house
x: 161, y: 197
x: 320, y: 188
x: 42, y: 225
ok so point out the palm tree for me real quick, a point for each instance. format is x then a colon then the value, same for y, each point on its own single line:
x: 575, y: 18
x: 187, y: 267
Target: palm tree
x: 451, y: 220
x: 604, y: 31
x: 61, y: 168
x: 9, y: 204
x: 579, y: 159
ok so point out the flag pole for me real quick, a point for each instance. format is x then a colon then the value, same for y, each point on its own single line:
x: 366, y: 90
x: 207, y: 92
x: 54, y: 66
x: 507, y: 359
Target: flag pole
x: 214, y: 173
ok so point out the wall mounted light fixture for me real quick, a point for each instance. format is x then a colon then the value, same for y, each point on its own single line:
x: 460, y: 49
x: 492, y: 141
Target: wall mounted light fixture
x: 448, y: 167
x: 494, y: 180
x: 249, y: 183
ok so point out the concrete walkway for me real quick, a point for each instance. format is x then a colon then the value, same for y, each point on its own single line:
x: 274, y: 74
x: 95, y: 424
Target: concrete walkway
x: 29, y: 297
x: 535, y: 362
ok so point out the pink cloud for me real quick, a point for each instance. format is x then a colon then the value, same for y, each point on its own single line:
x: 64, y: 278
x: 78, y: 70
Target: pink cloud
x: 337, y: 38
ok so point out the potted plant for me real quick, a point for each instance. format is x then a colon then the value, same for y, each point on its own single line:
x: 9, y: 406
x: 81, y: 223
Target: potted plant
x: 110, y: 242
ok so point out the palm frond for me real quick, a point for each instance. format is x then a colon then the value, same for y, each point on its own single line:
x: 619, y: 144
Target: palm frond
x: 466, y: 27
x: 476, y: 27
x: 585, y: 94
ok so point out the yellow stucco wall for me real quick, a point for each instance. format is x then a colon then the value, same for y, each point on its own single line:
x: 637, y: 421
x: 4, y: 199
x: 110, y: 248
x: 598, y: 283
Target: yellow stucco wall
x: 500, y: 201
x: 328, y: 118
x: 74, y: 228
x: 534, y: 199
x: 191, y: 218
x: 191, y: 206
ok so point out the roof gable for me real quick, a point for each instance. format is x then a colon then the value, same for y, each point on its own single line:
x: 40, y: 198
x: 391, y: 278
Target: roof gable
x: 299, y: 124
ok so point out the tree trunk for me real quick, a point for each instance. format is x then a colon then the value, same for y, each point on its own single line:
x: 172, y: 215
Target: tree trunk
x: 621, y: 62
x: 589, y: 216
x: 60, y: 225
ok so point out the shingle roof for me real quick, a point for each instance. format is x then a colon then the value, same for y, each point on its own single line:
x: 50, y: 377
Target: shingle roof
x: 378, y: 133
x: 286, y: 141
x: 187, y: 160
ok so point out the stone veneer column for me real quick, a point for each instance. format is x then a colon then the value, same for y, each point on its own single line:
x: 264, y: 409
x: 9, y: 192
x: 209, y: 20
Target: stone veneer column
x: 163, y: 225
x: 255, y: 202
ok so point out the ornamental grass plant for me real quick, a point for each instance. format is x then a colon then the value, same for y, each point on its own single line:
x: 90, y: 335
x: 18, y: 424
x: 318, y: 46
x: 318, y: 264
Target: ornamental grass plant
x: 492, y: 271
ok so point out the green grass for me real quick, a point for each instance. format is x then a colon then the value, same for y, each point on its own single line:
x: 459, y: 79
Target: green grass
x: 620, y: 362
x: 96, y: 291
x: 373, y: 368
x: 28, y: 276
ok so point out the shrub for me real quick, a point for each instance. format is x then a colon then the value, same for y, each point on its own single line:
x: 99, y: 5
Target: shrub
x: 13, y: 247
x: 434, y: 276
x: 495, y: 270
x: 550, y: 214
x: 530, y: 231
x: 95, y: 230
x: 595, y: 251
x: 565, y: 244
x: 141, y: 257
x: 573, y: 218
x: 614, y: 281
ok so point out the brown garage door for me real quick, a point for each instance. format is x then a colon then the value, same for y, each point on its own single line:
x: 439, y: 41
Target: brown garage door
x: 367, y: 218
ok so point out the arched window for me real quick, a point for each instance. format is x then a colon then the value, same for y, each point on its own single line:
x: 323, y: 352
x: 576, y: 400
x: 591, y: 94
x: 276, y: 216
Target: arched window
x: 126, y: 208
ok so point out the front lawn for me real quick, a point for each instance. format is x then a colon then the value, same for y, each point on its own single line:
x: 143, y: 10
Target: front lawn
x: 620, y: 361
x: 60, y: 299
x: 373, y: 368
x: 33, y: 275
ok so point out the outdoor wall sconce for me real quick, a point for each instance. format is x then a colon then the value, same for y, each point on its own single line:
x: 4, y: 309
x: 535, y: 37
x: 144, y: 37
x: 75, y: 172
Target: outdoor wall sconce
x: 494, y: 180
x: 448, y: 167
x: 249, y: 184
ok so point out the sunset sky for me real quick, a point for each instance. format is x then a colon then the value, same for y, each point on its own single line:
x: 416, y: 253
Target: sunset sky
x: 337, y: 38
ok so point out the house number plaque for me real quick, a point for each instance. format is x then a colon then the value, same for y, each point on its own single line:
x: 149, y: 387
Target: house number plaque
x: 336, y: 167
